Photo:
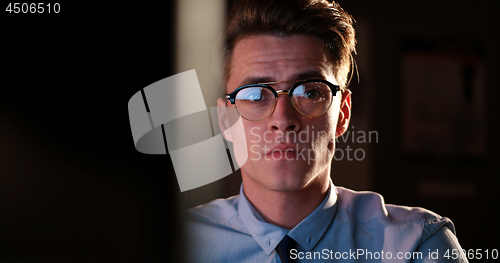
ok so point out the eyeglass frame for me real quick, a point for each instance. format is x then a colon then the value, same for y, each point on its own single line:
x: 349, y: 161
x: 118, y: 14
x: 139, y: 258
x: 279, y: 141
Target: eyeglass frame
x: 232, y: 96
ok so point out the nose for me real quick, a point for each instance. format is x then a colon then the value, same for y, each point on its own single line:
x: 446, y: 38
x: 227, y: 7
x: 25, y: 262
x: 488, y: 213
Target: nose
x: 285, y: 117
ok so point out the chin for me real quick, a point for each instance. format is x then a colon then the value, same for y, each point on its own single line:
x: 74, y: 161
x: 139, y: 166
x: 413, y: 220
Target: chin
x: 283, y: 186
x: 281, y: 178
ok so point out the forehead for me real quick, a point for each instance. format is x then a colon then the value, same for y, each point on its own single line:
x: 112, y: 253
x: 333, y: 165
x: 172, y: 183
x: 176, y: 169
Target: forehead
x: 266, y: 58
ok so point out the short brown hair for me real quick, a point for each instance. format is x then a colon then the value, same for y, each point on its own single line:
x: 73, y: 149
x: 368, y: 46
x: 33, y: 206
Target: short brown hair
x: 319, y: 18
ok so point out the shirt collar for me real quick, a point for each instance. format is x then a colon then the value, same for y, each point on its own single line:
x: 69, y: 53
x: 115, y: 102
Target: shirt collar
x: 310, y: 230
x: 307, y: 233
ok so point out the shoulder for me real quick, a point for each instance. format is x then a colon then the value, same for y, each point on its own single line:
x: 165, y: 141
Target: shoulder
x: 216, y: 218
x: 218, y: 211
x: 365, y: 207
x: 210, y: 230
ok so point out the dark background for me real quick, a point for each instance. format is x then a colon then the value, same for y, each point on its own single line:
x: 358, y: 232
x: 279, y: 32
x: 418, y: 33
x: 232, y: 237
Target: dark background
x: 72, y: 186
x: 396, y: 174
x: 74, y: 189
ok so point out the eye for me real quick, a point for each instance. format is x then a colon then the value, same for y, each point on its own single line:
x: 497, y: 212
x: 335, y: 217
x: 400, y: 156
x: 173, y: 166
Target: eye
x: 256, y: 97
x: 312, y: 93
x: 250, y: 94
x: 308, y: 92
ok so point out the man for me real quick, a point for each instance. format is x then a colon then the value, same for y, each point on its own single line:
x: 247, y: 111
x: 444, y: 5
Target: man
x: 286, y: 73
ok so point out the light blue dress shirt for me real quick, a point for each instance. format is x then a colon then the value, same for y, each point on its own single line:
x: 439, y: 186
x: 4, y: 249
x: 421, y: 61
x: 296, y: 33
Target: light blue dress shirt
x: 348, y: 226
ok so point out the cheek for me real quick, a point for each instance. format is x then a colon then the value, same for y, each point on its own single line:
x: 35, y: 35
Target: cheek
x: 238, y: 141
x: 248, y: 143
x: 332, y: 117
x: 328, y: 123
x: 324, y: 132
x: 251, y: 132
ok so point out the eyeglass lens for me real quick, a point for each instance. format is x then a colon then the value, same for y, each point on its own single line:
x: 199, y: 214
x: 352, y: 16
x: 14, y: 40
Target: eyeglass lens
x: 310, y: 99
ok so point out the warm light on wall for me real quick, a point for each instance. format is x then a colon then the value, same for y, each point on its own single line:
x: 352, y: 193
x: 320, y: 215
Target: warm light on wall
x: 199, y: 30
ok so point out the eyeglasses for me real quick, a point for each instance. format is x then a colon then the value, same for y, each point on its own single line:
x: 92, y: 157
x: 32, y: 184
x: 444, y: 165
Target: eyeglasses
x: 255, y: 102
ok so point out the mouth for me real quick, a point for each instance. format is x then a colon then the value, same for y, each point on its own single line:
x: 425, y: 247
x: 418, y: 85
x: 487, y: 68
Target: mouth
x: 284, y: 152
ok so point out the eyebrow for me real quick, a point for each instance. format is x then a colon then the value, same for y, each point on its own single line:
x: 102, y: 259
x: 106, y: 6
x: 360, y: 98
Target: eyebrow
x: 302, y: 76
x: 255, y: 80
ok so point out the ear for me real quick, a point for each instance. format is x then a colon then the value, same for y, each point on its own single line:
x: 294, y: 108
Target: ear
x: 223, y: 119
x: 344, y: 113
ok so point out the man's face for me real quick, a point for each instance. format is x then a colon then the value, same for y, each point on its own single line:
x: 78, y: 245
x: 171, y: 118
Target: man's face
x: 287, y: 150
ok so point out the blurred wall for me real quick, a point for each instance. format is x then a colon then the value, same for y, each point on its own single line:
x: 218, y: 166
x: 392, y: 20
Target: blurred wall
x: 456, y: 184
x: 199, y: 31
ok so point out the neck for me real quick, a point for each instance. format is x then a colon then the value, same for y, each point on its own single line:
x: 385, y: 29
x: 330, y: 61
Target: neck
x: 289, y: 207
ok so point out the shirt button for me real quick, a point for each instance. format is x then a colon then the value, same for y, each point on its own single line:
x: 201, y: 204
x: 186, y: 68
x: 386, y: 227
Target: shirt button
x: 308, y: 239
x: 268, y: 242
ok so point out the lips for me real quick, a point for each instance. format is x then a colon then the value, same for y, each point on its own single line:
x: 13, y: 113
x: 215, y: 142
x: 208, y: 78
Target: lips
x: 284, y: 148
